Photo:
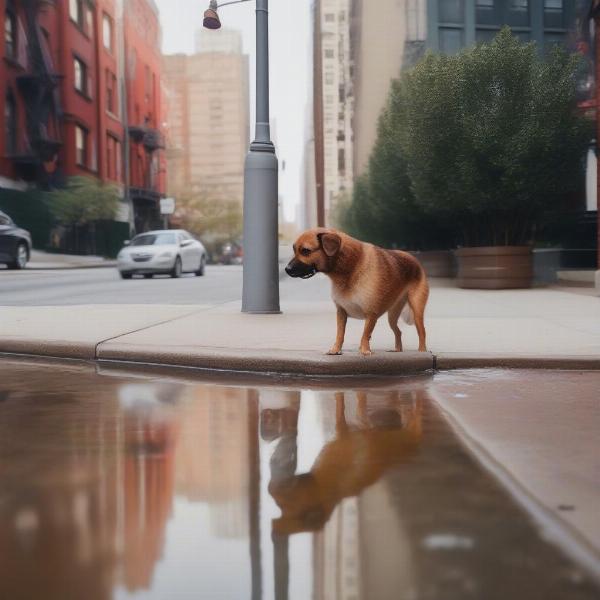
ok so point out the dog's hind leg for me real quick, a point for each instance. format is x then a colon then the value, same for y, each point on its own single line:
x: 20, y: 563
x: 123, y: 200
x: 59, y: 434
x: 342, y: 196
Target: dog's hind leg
x: 418, y: 294
x: 393, y: 316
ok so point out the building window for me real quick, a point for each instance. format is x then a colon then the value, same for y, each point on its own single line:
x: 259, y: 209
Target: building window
x: 81, y: 143
x: 113, y: 158
x: 10, y: 34
x: 519, y: 4
x: 329, y: 17
x: 10, y: 123
x: 76, y: 12
x: 485, y: 4
x: 554, y: 15
x: 451, y: 11
x: 89, y: 21
x: 80, y: 71
x: 111, y: 95
x: 107, y: 32
x: 341, y: 160
x: 329, y: 53
x: 147, y: 83
x: 451, y: 40
x: 329, y: 77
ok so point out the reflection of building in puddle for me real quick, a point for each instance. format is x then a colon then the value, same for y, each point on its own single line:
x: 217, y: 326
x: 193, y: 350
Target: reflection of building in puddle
x: 212, y: 457
x: 88, y: 508
x: 337, y: 555
x: 359, y: 542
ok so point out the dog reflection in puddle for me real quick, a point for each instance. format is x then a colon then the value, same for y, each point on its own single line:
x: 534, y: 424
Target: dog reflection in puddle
x: 355, y: 459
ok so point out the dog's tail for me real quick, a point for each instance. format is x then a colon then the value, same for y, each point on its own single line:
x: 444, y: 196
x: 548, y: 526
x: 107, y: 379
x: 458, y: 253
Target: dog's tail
x: 407, y: 315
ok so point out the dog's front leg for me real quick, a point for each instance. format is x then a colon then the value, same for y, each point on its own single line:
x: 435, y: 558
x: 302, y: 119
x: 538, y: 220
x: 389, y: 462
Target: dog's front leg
x: 342, y: 318
x: 365, y: 346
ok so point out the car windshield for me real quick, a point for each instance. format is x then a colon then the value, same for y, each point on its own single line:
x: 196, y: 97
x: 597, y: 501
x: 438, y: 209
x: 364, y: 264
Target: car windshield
x: 154, y: 239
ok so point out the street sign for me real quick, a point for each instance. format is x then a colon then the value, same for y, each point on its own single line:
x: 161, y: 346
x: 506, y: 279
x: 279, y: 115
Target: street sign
x: 167, y: 206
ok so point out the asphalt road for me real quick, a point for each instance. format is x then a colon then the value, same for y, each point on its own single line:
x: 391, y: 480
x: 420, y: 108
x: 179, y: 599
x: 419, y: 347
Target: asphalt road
x: 104, y: 286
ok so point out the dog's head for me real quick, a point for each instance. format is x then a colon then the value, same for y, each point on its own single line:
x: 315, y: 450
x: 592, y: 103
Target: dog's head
x: 314, y: 252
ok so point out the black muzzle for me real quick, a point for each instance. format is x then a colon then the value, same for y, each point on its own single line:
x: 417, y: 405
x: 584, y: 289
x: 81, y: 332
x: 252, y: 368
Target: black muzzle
x: 297, y: 268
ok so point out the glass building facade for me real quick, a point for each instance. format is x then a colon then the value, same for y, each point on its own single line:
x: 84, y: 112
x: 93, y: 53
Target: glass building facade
x: 456, y: 24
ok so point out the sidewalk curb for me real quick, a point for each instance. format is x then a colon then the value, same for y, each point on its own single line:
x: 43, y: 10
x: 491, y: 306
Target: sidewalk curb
x: 446, y: 361
x: 302, y: 363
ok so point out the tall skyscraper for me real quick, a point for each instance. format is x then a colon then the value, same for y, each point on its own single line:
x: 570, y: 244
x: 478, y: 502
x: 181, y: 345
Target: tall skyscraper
x: 208, y: 118
x: 334, y: 100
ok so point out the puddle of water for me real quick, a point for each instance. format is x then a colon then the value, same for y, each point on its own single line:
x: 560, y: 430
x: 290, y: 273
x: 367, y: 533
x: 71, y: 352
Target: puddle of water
x: 121, y: 487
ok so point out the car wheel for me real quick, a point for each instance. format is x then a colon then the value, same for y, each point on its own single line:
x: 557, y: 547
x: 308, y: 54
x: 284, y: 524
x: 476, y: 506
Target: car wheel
x: 126, y: 275
x: 200, y: 271
x: 176, y: 272
x: 148, y: 275
x: 21, y: 257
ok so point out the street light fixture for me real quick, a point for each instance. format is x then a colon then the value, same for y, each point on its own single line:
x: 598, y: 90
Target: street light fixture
x: 261, y: 264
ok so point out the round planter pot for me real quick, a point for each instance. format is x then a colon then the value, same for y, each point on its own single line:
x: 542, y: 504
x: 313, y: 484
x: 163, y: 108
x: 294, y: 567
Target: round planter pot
x: 495, y: 267
x: 437, y: 263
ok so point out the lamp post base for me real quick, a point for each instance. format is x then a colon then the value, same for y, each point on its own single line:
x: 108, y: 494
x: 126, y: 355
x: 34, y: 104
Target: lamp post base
x: 261, y: 245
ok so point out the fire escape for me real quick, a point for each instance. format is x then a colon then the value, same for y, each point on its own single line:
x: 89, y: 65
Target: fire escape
x: 37, y: 159
x: 146, y: 198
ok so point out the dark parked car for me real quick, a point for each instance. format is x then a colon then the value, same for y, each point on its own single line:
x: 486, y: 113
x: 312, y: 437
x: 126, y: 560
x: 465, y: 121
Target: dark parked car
x: 15, y: 243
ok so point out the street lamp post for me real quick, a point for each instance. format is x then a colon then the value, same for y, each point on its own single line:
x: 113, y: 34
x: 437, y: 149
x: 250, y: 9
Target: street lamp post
x: 261, y: 264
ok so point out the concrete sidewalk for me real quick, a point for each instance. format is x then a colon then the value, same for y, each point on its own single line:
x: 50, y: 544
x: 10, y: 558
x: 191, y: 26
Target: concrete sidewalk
x: 47, y: 260
x: 552, y: 327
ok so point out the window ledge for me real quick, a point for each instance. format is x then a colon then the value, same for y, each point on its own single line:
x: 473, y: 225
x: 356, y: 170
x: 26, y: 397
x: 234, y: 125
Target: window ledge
x: 85, y: 96
x: 79, y: 28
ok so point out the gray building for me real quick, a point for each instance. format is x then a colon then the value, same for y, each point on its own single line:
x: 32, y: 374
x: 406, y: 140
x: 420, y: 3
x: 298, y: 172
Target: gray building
x: 395, y: 34
x: 454, y: 24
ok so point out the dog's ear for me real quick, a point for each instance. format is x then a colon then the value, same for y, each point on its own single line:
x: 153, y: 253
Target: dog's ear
x: 330, y: 242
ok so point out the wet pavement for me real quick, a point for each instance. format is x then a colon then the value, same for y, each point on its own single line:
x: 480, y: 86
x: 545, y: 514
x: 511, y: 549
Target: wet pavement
x: 117, y: 485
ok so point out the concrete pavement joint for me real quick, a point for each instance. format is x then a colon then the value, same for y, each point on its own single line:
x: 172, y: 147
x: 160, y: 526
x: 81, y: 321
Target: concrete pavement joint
x: 116, y: 337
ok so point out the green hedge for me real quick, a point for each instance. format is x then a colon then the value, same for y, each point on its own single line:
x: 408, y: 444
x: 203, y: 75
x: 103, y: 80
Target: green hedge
x: 29, y: 210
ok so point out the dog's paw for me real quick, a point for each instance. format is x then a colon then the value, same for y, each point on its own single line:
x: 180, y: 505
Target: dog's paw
x: 334, y: 352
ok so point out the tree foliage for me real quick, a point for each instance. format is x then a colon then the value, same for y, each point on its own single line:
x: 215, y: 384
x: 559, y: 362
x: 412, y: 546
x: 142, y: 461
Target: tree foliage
x: 492, y: 137
x: 383, y: 209
x: 215, y: 221
x: 476, y: 147
x: 83, y: 200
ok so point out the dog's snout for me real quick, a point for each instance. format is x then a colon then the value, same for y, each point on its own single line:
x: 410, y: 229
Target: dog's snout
x: 296, y: 268
x: 289, y: 268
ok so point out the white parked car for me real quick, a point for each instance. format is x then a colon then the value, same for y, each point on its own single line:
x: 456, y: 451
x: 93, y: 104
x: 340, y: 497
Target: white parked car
x: 170, y: 251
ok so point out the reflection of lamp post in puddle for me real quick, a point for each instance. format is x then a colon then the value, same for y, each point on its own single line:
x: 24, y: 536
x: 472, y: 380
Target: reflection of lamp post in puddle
x: 279, y: 421
x: 254, y: 495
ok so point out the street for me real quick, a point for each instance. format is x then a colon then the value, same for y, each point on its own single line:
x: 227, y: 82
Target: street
x: 61, y: 287
x: 104, y: 286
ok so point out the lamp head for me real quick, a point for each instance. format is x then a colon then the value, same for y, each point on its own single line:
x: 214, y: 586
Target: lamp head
x: 211, y: 17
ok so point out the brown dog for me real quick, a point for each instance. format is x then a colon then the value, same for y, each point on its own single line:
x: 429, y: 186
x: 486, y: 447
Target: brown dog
x: 367, y: 281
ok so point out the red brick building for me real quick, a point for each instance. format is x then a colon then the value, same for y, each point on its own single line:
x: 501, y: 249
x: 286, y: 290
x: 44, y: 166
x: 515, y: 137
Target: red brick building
x: 80, y: 84
x: 147, y: 171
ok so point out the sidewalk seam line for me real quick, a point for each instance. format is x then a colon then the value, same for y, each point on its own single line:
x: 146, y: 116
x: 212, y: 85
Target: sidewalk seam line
x: 116, y: 337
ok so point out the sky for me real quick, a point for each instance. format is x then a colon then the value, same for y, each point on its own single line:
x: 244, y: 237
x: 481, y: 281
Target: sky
x: 290, y: 63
